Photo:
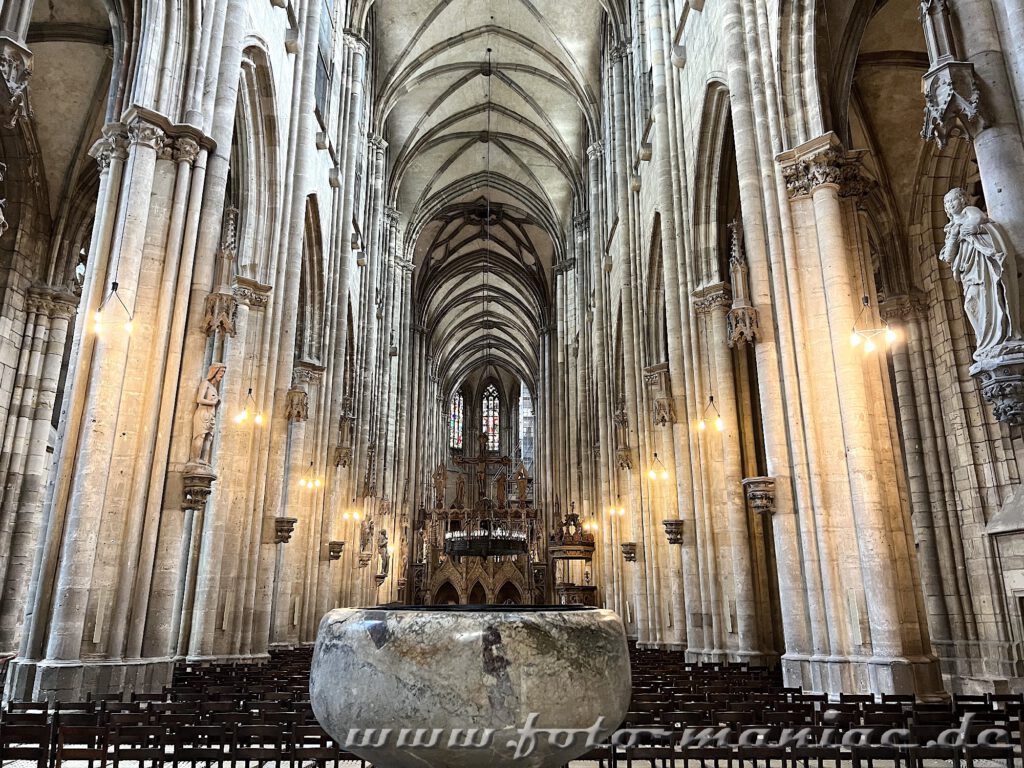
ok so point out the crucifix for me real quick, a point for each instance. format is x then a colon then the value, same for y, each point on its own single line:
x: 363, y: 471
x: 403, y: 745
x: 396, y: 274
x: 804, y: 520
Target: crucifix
x: 481, y: 463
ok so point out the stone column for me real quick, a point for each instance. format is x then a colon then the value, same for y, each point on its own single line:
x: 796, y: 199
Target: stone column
x: 716, y: 301
x: 820, y: 169
x: 24, y: 461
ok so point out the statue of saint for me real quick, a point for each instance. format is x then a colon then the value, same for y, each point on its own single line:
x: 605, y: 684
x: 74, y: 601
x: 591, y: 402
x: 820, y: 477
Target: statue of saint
x: 501, y: 490
x: 365, y: 535
x: 205, y: 415
x: 440, y: 478
x: 522, y: 481
x: 460, y: 491
x: 382, y: 550
x: 986, y: 268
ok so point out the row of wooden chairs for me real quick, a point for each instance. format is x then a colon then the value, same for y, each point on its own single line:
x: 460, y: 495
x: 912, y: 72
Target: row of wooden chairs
x: 156, y: 745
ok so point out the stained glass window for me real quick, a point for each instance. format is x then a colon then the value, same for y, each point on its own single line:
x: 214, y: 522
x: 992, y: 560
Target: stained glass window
x: 491, y: 411
x: 455, y: 421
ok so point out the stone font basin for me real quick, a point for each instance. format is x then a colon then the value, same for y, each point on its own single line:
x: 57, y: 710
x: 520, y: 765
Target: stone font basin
x: 530, y: 679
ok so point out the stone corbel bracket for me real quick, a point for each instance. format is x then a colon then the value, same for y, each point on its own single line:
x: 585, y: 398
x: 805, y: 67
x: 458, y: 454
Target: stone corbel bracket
x: 1002, y: 384
x: 283, y: 529
x: 196, y: 487
x: 760, y: 494
x: 673, y: 530
x: 335, y: 549
x: 629, y: 551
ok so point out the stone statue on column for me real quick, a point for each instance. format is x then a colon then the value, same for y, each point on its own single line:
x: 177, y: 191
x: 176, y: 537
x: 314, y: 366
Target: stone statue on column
x: 205, y: 415
x: 440, y: 479
x: 382, y: 550
x: 987, y: 269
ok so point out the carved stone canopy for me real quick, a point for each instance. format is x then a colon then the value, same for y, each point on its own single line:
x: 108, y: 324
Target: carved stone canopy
x: 15, y: 71
x: 952, y: 102
x: 221, y: 309
x: 296, y: 405
x: 625, y: 458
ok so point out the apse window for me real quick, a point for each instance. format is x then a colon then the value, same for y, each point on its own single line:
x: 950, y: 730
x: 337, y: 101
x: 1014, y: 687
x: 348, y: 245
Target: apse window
x: 455, y: 417
x: 491, y: 413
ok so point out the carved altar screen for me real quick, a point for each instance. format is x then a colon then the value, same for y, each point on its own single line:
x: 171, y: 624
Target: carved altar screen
x: 491, y: 417
x: 455, y: 418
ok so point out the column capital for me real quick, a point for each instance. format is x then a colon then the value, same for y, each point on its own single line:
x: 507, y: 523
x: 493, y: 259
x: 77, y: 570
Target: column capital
x: 596, y: 150
x: 186, y: 150
x: 711, y: 297
x: 251, y: 293
x: 903, y: 307
x: 52, y: 302
x: 306, y: 372
x: 112, y: 145
x: 142, y: 132
x: 823, y: 162
x: 376, y: 142
x: 355, y: 42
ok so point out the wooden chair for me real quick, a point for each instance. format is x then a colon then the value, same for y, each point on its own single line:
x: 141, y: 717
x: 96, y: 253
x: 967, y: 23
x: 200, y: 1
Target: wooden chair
x: 29, y: 742
x: 79, y: 743
x: 137, y: 744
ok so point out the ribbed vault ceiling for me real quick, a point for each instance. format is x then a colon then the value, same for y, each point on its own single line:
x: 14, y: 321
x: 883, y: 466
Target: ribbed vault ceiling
x: 486, y: 233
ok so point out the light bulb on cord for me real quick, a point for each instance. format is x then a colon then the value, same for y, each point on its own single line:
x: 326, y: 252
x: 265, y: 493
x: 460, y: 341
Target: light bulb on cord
x: 302, y: 482
x: 664, y: 474
x: 98, y: 317
x: 241, y: 416
x: 719, y: 424
x: 855, y: 339
x: 355, y: 516
x: 345, y: 516
x: 259, y: 419
x: 701, y: 426
x: 653, y: 475
x: 890, y: 335
x: 869, y: 346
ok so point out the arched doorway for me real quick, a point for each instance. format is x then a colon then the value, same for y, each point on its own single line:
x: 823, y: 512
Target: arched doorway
x: 446, y: 595
x: 477, y: 596
x: 509, y: 594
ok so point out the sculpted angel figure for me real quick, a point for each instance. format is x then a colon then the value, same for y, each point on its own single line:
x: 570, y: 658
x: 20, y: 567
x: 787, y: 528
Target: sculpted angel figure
x: 205, y: 415
x: 985, y: 266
